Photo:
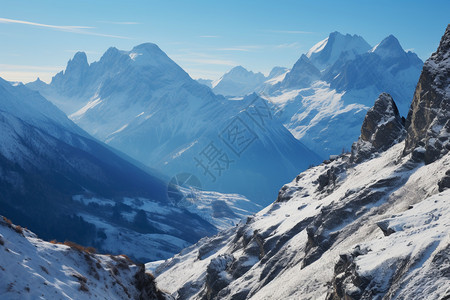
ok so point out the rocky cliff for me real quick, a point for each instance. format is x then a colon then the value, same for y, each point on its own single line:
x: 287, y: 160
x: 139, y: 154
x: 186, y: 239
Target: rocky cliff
x: 428, y: 122
x: 382, y: 128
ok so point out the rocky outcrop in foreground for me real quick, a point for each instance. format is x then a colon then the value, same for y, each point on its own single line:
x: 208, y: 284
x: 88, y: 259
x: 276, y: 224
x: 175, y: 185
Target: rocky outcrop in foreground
x: 382, y: 128
x: 428, y: 122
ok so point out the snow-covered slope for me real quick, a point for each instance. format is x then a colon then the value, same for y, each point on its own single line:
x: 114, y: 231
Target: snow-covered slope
x: 145, y: 105
x: 63, y: 184
x: 291, y: 249
x: 31, y: 268
x: 324, y: 97
x: 375, y: 229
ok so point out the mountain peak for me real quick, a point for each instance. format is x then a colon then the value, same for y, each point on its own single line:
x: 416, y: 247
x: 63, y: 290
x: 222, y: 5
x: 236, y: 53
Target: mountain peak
x: 111, y: 53
x: 389, y: 47
x: 79, y: 61
x: 325, y: 53
x: 302, y: 74
x: 149, y: 54
x: 147, y: 47
x: 238, y: 82
x: 238, y: 70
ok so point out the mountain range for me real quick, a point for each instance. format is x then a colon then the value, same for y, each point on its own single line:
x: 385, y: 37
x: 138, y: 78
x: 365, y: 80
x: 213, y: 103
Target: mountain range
x: 324, y: 97
x: 65, y: 185
x: 143, y: 104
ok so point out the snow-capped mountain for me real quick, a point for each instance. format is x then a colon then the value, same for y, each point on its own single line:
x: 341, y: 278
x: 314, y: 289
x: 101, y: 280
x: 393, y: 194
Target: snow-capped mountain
x: 146, y: 106
x: 65, y: 185
x: 323, y: 99
x: 34, y: 269
x: 373, y: 224
x: 325, y: 53
x: 238, y: 82
x: 325, y: 96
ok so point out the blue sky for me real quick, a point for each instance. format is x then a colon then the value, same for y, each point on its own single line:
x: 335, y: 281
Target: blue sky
x: 207, y: 38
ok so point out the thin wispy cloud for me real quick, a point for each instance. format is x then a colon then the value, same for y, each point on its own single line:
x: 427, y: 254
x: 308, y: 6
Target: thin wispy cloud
x: 290, y: 31
x: 71, y: 29
x: 288, y: 45
x: 65, y: 28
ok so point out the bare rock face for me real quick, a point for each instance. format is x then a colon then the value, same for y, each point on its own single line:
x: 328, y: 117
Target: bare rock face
x: 428, y: 121
x: 382, y: 128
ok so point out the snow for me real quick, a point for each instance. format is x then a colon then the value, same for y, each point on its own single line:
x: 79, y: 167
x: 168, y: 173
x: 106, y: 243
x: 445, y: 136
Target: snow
x: 220, y: 210
x: 323, y: 119
x: 317, y: 47
x: 238, y: 82
x: 208, y: 205
x: 422, y: 231
x: 34, y: 269
x: 324, y: 54
x: 277, y: 79
x: 84, y: 109
x: 326, y: 113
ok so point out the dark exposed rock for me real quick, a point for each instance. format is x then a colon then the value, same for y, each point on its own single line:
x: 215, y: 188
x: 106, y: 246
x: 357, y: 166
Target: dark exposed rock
x: 347, y: 283
x: 428, y: 120
x: 382, y: 128
x: 444, y: 183
x: 384, y: 226
x: 327, y: 179
x: 145, y: 283
x: 286, y: 192
x: 215, y: 278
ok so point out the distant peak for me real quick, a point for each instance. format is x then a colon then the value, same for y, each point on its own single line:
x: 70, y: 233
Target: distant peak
x: 80, y: 56
x: 326, y: 52
x: 110, y: 53
x: 147, y: 47
x: 276, y: 71
x: 78, y: 62
x: 239, y: 69
x: 391, y: 40
x: 390, y: 46
x: 335, y: 33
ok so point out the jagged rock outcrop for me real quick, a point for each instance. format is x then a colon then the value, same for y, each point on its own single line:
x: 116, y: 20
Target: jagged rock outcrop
x: 217, y: 277
x: 444, y: 183
x: 428, y: 121
x: 382, y: 128
x: 347, y: 283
